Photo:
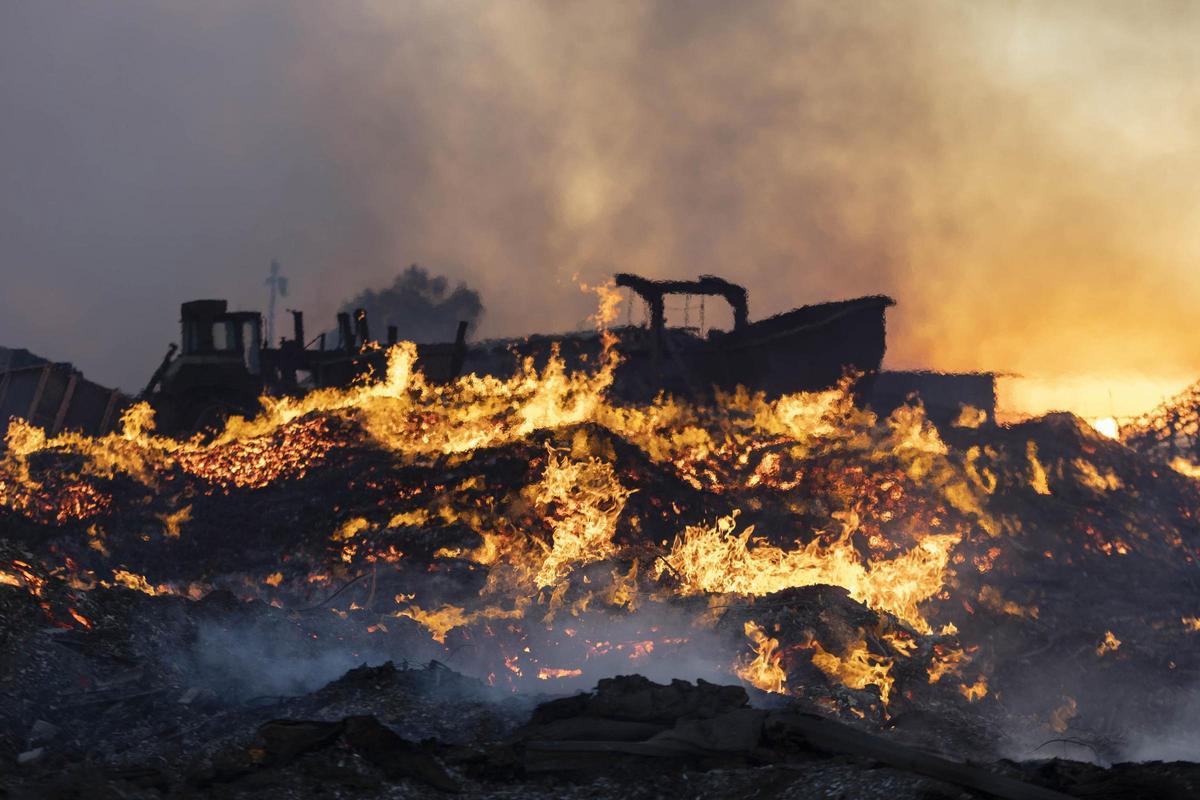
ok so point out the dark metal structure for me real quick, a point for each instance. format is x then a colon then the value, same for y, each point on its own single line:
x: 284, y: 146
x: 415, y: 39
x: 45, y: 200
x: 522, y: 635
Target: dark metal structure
x: 942, y: 393
x: 224, y: 366
x: 655, y: 293
x: 806, y: 349
x: 54, y: 396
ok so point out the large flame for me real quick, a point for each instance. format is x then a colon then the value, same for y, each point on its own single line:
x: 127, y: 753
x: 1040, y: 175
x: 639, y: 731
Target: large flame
x: 717, y: 559
x: 550, y: 551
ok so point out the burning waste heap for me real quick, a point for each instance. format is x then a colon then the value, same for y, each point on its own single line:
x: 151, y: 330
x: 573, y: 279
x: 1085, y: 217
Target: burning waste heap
x: 189, y: 616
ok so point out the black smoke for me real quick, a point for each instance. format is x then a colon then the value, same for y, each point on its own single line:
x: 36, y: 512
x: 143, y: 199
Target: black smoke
x: 422, y: 307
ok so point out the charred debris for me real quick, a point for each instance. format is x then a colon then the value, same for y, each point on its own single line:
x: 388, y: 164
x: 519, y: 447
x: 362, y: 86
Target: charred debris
x: 548, y: 582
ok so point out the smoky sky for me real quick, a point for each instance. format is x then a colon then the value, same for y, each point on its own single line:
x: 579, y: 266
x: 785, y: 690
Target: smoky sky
x: 1021, y: 177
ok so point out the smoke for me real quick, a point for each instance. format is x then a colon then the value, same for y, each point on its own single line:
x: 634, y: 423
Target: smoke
x: 1017, y: 175
x: 1176, y: 738
x: 421, y: 306
x: 244, y: 659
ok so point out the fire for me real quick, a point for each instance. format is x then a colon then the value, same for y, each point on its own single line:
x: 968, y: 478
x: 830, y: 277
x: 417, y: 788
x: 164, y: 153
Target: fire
x: 974, y: 691
x: 584, y: 500
x: 25, y: 578
x: 546, y: 673
x: 764, y: 670
x: 608, y: 305
x: 1089, y: 476
x: 970, y: 417
x: 990, y: 597
x: 447, y: 618
x: 946, y: 661
x: 902, y: 643
x: 1185, y: 467
x: 1109, y: 644
x: 402, y: 412
x: 1037, y: 473
x: 135, y: 582
x: 858, y: 668
x: 173, y: 522
x: 1060, y: 718
x: 716, y: 559
x: 534, y: 543
x: 745, y: 442
x: 798, y: 491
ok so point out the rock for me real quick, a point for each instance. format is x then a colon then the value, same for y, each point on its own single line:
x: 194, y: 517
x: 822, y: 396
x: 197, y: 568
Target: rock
x: 634, y: 698
x: 594, y: 729
x: 738, y: 731
x: 30, y: 757
x: 42, y: 732
x: 394, y: 755
x: 285, y: 739
x: 198, y: 697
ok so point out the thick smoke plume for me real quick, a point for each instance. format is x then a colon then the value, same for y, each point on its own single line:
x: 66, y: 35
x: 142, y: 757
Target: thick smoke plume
x: 1018, y: 175
x: 421, y: 306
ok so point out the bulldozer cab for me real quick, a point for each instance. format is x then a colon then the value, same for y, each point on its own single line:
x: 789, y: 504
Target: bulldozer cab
x: 218, y: 372
x: 213, y: 334
x: 222, y: 368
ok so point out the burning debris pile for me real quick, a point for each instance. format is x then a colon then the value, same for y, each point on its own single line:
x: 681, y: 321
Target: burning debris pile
x: 971, y: 590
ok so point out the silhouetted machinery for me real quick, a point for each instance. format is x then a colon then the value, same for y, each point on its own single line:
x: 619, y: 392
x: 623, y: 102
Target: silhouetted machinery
x: 224, y: 366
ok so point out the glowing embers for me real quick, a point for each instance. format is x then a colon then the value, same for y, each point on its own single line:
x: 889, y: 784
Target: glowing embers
x: 59, y: 496
x: 22, y: 575
x: 286, y: 453
x: 52, y: 500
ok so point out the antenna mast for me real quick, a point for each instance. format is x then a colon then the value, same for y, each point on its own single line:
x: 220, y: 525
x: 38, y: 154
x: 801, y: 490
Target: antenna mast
x: 278, y: 285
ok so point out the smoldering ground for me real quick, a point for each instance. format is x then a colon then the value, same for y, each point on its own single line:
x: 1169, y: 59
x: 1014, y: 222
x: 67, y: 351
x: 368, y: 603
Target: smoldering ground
x: 244, y: 656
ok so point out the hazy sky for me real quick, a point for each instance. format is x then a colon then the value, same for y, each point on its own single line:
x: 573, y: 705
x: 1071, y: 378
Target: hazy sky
x: 1024, y: 177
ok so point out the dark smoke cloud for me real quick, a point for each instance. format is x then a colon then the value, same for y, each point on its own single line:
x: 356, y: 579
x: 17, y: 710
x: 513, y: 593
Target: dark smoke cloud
x: 422, y: 307
x: 1018, y: 175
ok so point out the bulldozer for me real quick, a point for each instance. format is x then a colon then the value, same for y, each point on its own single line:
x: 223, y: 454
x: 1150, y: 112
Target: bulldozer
x: 223, y: 366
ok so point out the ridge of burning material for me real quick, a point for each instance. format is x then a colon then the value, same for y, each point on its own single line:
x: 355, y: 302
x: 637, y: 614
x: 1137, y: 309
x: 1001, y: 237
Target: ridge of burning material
x: 535, y: 533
